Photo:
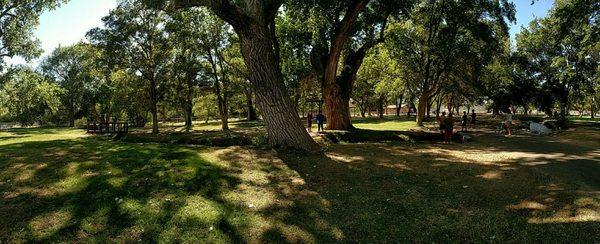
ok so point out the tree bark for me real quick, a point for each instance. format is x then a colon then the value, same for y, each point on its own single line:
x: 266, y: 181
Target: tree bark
x: 224, y: 112
x: 399, y: 105
x: 337, y: 108
x: 281, y: 120
x: 421, y: 107
x: 438, y: 106
x: 593, y: 108
x: 429, y: 104
x: 71, y: 114
x: 188, y: 118
x: 336, y: 91
x: 153, y: 106
x: 255, y: 26
x: 188, y: 107
x: 217, y: 89
x: 71, y: 121
x: 381, y: 106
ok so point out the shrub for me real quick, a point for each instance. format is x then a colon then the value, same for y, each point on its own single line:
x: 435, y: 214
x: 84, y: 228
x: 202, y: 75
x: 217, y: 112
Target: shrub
x: 357, y: 136
x: 260, y: 140
x: 81, y: 123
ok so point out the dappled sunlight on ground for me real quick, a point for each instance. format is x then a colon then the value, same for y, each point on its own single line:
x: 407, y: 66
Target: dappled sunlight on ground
x: 63, y: 186
x: 90, y: 189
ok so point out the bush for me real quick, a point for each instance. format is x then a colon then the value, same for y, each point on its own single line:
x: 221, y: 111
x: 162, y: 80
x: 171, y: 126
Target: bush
x: 217, y: 139
x: 223, y: 141
x: 260, y: 140
x: 357, y: 136
x: 81, y: 123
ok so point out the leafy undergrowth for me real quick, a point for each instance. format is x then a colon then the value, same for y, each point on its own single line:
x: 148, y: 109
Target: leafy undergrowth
x: 206, y: 138
x: 361, y: 136
x: 59, y: 185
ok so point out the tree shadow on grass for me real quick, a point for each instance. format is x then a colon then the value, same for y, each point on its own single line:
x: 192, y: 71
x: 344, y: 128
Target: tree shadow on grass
x: 34, y: 131
x: 96, y: 190
x: 92, y: 189
x: 428, y: 193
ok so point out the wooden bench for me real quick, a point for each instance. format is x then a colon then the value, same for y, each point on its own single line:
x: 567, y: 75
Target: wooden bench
x: 107, y: 128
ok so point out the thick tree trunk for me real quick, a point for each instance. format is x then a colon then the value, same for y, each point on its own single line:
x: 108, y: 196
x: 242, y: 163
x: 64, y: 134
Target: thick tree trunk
x: 336, y: 91
x: 381, y: 106
x: 222, y: 106
x: 188, y: 118
x: 71, y: 115
x: 188, y: 107
x: 399, y: 105
x: 429, y: 104
x: 154, y: 112
x: 218, y: 90
x: 337, y: 106
x: 336, y: 95
x: 281, y: 120
x: 224, y: 112
x: 153, y: 106
x: 593, y: 108
x: 421, y: 108
x: 259, y: 46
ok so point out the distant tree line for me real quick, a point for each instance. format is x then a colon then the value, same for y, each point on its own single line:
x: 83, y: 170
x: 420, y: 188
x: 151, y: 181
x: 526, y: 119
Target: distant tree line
x: 211, y: 59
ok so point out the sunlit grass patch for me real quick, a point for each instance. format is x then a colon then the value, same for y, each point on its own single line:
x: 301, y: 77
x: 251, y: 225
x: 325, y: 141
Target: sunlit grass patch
x: 387, y: 125
x: 39, y: 134
x: 48, y: 224
x: 96, y: 222
x: 93, y: 189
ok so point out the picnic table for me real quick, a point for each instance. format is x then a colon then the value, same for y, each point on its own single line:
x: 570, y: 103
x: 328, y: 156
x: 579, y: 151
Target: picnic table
x: 107, y: 128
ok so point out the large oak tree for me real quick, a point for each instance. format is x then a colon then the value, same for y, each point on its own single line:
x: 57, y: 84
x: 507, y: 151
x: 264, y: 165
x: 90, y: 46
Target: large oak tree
x: 343, y: 32
x: 254, y: 22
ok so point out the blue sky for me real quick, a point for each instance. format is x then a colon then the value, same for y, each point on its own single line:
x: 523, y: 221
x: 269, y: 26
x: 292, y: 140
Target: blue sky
x: 69, y: 23
x: 527, y: 12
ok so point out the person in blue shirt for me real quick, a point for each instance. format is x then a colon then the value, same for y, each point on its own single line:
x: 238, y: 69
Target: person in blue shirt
x: 320, y: 121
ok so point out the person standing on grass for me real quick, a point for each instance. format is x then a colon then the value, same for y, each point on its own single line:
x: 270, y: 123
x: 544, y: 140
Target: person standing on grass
x: 320, y: 121
x: 508, y: 122
x: 473, y: 118
x: 449, y: 128
x: 309, y: 120
x: 441, y: 120
x: 465, y: 118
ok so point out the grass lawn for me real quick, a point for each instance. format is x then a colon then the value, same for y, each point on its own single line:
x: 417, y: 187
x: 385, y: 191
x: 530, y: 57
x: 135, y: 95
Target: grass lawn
x: 387, y: 123
x: 61, y: 185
